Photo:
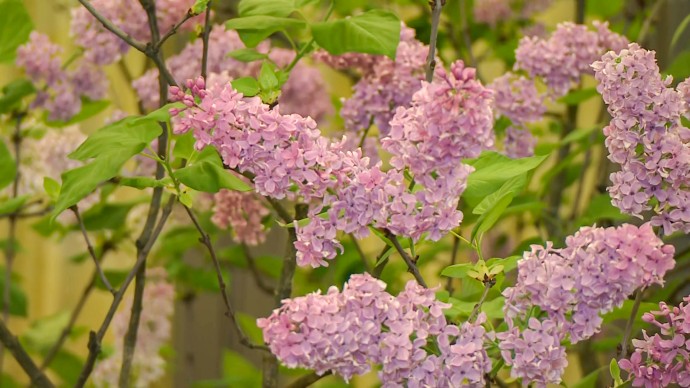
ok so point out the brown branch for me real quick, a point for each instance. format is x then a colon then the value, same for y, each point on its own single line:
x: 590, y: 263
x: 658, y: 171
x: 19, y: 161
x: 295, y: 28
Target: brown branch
x: 411, y: 263
x: 110, y: 26
x: 174, y: 29
x: 204, y: 39
x: 436, y: 8
x: 308, y: 380
x: 92, y: 252
x: 38, y: 378
x: 488, y: 283
x: 230, y: 310
x: 258, y: 279
x: 629, y: 325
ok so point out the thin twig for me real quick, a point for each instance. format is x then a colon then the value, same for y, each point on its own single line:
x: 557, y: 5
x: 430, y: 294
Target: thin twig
x: 75, y: 313
x: 629, y: 325
x: 280, y: 210
x: 110, y: 26
x: 411, y: 263
x: 308, y: 380
x: 38, y: 378
x: 92, y: 252
x: 488, y: 283
x: 258, y: 279
x: 453, y: 257
x: 10, y: 249
x: 378, y: 267
x: 204, y: 39
x: 174, y: 29
x: 95, y: 338
x: 230, y: 310
x: 436, y: 8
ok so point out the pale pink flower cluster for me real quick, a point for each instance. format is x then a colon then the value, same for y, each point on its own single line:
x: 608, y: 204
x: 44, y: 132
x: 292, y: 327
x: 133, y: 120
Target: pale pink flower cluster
x: 493, y: 12
x: 59, y: 90
x: 346, y: 332
x: 102, y: 47
x: 646, y: 138
x: 155, y: 330
x: 243, y: 213
x: 596, y: 272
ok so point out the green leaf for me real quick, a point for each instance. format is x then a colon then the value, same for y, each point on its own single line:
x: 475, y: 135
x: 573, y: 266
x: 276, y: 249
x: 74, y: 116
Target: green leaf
x: 604, y: 8
x: 142, y: 182
x: 248, y: 86
x: 373, y: 32
x: 488, y: 219
x: 280, y: 8
x: 109, y: 147
x: 615, y: 371
x: 111, y: 216
x: 67, y: 366
x: 512, y: 186
x: 115, y: 278
x: 578, y: 96
x: 9, y: 170
x: 601, y: 208
x: 248, y: 324
x: 247, y: 55
x: 15, y: 27
x: 43, y: 332
x: 492, y: 170
x: 88, y: 109
x: 242, y: 372
x: 51, y: 187
x: 457, y: 271
x: 578, y: 134
x: 680, y: 67
x: 679, y: 32
x: 14, y: 92
x: 589, y: 381
x: 199, y: 6
x: 18, y: 300
x: 254, y: 29
x: 267, y: 78
x: 209, y: 177
x: 509, y: 263
x: 12, y: 205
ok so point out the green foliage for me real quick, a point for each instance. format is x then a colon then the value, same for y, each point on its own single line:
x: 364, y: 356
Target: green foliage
x: 247, y: 55
x: 248, y: 86
x: 111, y: 216
x: 373, y: 32
x: 679, y: 32
x: 89, y: 109
x: 208, y: 175
x: 615, y: 371
x: 12, y: 205
x: 680, y: 67
x: 18, y: 300
x: 237, y: 372
x: 15, y: 27
x: 254, y: 29
x: 9, y: 170
x: 278, y: 8
x: 578, y: 96
x: 589, y: 381
x: 603, y: 9
x: 14, y: 92
x: 199, y: 6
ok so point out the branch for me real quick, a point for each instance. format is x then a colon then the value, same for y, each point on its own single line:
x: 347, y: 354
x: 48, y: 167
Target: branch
x: 130, y: 341
x: 230, y: 310
x: 453, y: 257
x: 204, y: 38
x: 96, y: 262
x: 437, y: 6
x: 38, y: 378
x: 378, y: 267
x: 267, y: 288
x: 95, y: 338
x: 309, y: 379
x: 411, y: 263
x: 174, y: 29
x: 75, y: 313
x: 282, y: 213
x: 488, y: 283
x: 629, y: 325
x: 113, y: 28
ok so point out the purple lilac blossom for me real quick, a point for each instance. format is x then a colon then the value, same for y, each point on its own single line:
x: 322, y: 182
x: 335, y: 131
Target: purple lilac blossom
x: 346, y: 332
x: 492, y: 12
x: 241, y: 212
x: 562, y: 59
x: 646, y: 138
x: 662, y: 359
x: 59, y: 90
x: 596, y: 272
x: 519, y: 143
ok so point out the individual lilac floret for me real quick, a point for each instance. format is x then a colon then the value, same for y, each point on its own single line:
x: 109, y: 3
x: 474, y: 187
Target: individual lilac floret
x: 596, y: 272
x: 535, y: 354
x: 346, y: 332
x: 646, y: 138
x: 241, y: 212
x: 662, y: 359
x: 563, y: 58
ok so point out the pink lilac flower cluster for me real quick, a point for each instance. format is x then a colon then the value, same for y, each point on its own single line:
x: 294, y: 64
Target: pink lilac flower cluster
x: 662, y: 359
x: 346, y: 332
x: 241, y: 212
x: 102, y: 47
x: 304, y: 92
x: 646, y: 138
x: 59, y: 90
x: 493, y: 12
x: 155, y: 329
x: 448, y: 121
x: 596, y: 271
x: 517, y: 98
x: 562, y: 59
x: 385, y: 84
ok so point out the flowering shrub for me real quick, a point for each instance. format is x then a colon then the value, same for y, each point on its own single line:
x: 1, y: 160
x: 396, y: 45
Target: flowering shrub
x: 442, y: 221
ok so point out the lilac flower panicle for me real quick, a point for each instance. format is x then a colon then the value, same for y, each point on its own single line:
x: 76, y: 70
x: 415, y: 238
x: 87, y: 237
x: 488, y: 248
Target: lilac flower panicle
x: 243, y: 213
x: 519, y: 143
x: 563, y: 58
x: 646, y: 138
x: 662, y: 359
x: 346, y: 332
